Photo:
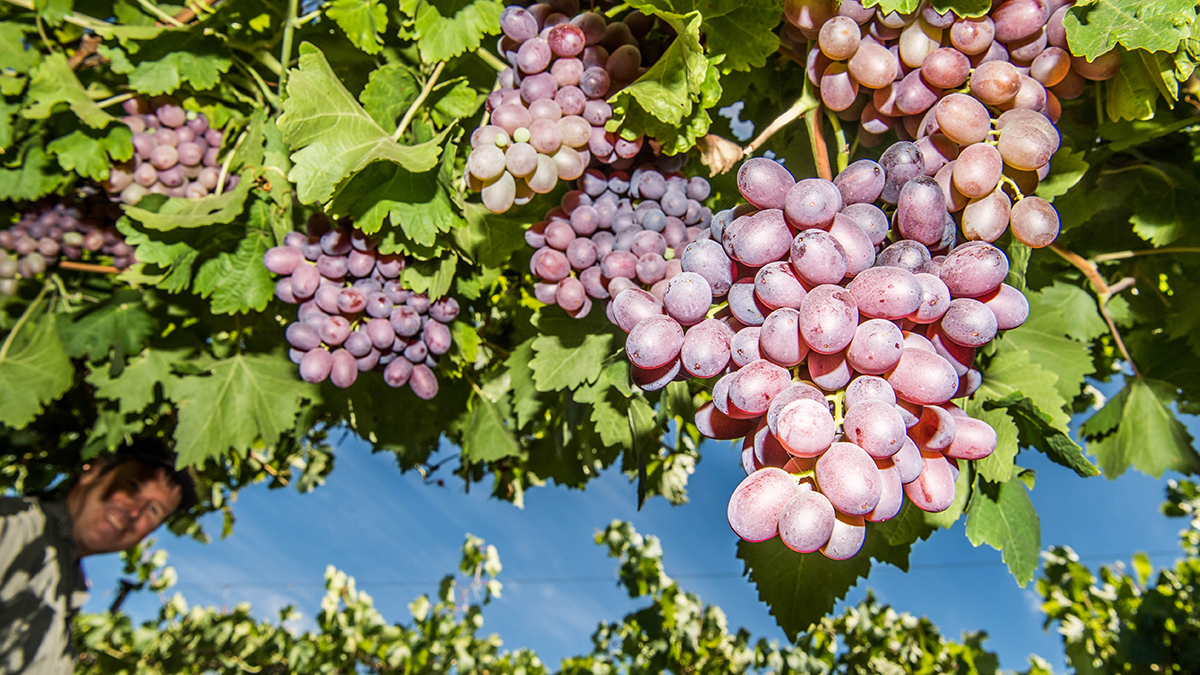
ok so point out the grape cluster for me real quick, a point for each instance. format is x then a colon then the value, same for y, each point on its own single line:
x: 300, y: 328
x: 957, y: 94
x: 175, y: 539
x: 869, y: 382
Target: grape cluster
x: 546, y: 119
x: 618, y: 230
x: 50, y: 231
x: 890, y: 71
x: 829, y: 299
x: 175, y: 154
x: 355, y: 315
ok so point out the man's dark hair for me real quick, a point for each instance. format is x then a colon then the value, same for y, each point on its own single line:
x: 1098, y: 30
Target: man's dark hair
x: 145, y: 458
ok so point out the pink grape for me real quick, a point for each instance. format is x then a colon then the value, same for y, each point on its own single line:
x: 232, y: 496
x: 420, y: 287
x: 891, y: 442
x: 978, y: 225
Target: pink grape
x: 828, y: 318
x: 706, y: 349
x: 756, y: 503
x: 282, y: 259
x: 908, y: 461
x: 933, y: 490
x: 1009, y: 306
x: 632, y: 306
x: 848, y: 476
x: 745, y: 346
x: 875, y: 348
x: 776, y: 285
x: 818, y: 257
x: 923, y: 377
x: 830, y: 372
x: 886, y: 292
x: 779, y: 338
x: 654, y: 342
x: 752, y: 388
x: 764, y: 182
x: 715, y: 424
x: 969, y: 323
x: 846, y: 540
x: 805, y: 427
x: 758, y: 239
x: 891, y: 496
x: 315, y: 365
x: 423, y: 382
x: 806, y: 522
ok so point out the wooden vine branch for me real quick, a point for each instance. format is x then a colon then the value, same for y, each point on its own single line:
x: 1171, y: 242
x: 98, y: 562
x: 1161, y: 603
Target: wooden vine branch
x: 87, y: 267
x: 1104, y: 292
x: 817, y: 138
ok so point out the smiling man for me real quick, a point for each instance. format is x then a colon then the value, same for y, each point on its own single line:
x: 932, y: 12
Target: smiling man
x: 116, y: 501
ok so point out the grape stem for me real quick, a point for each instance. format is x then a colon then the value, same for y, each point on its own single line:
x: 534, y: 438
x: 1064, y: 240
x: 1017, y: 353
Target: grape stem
x: 162, y: 16
x: 1005, y: 180
x: 271, y: 96
x: 1103, y: 293
x: 1123, y: 255
x: 87, y: 267
x: 412, y: 109
x: 843, y: 148
x: 816, y: 138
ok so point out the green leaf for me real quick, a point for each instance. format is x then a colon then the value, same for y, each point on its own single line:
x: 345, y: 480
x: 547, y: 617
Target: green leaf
x: 120, y: 324
x: 330, y: 134
x: 907, y: 527
x: 454, y: 100
x: 489, y: 239
x: 1094, y: 28
x: 238, y: 282
x: 1166, y: 206
x: 234, y: 403
x: 34, y: 172
x: 486, y: 436
x: 160, y: 213
x: 570, y: 352
x: 1037, y: 430
x: 1002, y: 517
x: 432, y: 277
x: 801, y: 588
x: 54, y: 11
x: 15, y: 53
x: 964, y: 8
x: 53, y: 83
x: 89, y: 153
x: 177, y: 56
x: 133, y: 389
x: 668, y: 102
x: 524, y: 391
x: 1066, y: 168
x: 1065, y: 309
x: 1011, y: 371
x: 998, y: 466
x: 1137, y: 428
x: 744, y: 32
x: 389, y: 93
x: 417, y: 203
x: 34, y: 367
x: 448, y: 28
x: 1133, y: 93
x: 1066, y: 360
x: 362, y: 21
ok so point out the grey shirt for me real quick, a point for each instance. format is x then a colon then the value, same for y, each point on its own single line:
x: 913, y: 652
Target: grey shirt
x: 42, y: 587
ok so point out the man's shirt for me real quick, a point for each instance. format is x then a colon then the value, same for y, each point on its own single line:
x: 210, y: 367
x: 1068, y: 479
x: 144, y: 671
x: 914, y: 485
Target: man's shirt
x: 42, y: 586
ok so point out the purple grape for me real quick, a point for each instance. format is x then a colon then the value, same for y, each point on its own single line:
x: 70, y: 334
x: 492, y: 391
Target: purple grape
x: 316, y: 365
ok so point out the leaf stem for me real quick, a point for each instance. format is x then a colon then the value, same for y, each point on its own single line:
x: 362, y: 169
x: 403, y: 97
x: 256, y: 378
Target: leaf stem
x: 491, y: 59
x: 162, y: 16
x: 799, y: 108
x: 843, y: 148
x: 8, y: 340
x: 119, y: 98
x: 412, y: 109
x: 271, y: 96
x: 1123, y: 255
x: 1103, y: 293
x: 289, y: 30
x: 228, y: 161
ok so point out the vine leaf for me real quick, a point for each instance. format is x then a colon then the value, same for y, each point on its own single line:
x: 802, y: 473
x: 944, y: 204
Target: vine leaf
x: 133, y: 389
x: 744, y: 32
x: 119, y: 325
x: 390, y: 90
x: 332, y: 137
x: 238, y: 282
x: 362, y: 21
x: 157, y: 212
x: 801, y: 588
x: 34, y: 370
x: 174, y: 57
x: 486, y: 436
x: 1094, y: 28
x: 233, y: 403
x: 998, y: 466
x: 1137, y: 428
x: 570, y: 352
x: 53, y: 83
x: 448, y: 28
x: 1002, y: 517
x: 89, y: 153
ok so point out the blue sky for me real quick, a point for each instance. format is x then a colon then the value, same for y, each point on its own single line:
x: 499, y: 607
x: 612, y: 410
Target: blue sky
x: 398, y: 536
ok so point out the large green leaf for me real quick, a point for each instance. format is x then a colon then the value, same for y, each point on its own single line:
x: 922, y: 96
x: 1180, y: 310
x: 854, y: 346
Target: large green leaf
x: 362, y: 21
x: 53, y: 83
x: 1138, y: 428
x: 330, y: 134
x: 1013, y: 372
x: 90, y: 153
x: 570, y: 352
x: 1036, y: 429
x: 120, y: 325
x: 486, y: 434
x: 238, y: 282
x: 489, y: 239
x: 134, y: 388
x: 447, y: 28
x: 390, y: 91
x: 175, y: 57
x: 1094, y: 28
x: 34, y: 367
x: 161, y: 213
x: 1063, y: 359
x: 1065, y: 309
x: 33, y: 173
x: 233, y: 403
x: 744, y: 32
x: 800, y: 588
x: 1002, y: 517
x: 998, y: 466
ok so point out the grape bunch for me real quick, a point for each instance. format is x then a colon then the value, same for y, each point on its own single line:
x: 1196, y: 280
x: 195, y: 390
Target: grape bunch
x: 355, y: 314
x: 175, y: 154
x: 546, y: 119
x: 618, y: 231
x: 892, y: 72
x: 50, y: 231
x: 844, y: 332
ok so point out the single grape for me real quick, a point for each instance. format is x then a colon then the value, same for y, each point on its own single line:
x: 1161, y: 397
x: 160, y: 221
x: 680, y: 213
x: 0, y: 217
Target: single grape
x: 756, y: 503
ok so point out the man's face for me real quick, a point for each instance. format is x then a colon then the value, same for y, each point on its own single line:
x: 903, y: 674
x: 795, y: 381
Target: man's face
x: 106, y: 520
